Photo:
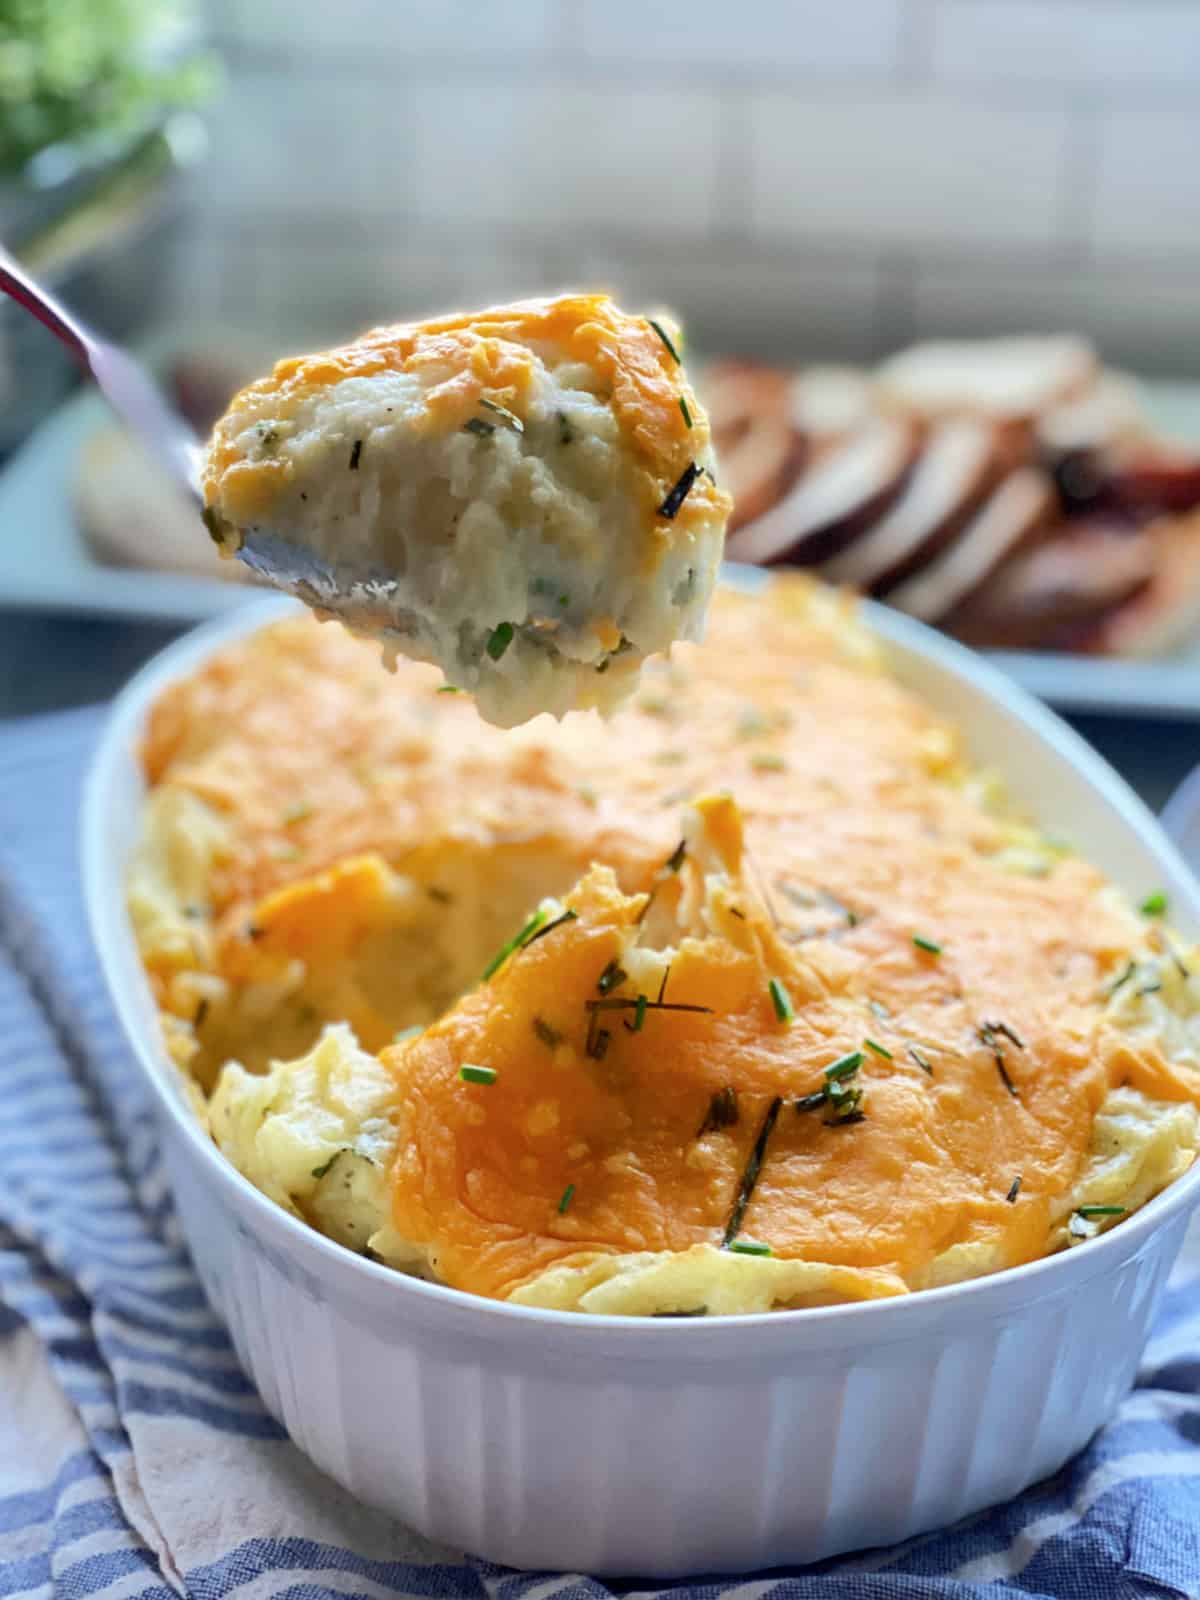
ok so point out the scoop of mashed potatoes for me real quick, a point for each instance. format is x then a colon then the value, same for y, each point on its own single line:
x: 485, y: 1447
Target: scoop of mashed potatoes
x: 524, y: 496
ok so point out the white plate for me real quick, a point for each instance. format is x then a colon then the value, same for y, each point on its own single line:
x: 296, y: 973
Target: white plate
x: 45, y: 565
x: 552, y: 1440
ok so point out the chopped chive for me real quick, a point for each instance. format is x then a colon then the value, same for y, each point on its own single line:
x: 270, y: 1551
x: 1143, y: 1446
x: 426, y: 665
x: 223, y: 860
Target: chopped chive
x: 515, y: 943
x: 722, y: 1111
x: 1154, y: 905
x: 675, y: 860
x: 639, y: 1015
x: 513, y: 421
x: 568, y: 1195
x: 201, y: 1013
x: 679, y: 492
x: 613, y: 976
x: 1003, y: 1027
x: 844, y: 1067
x: 687, y: 415
x: 473, y: 1074
x: 880, y: 1050
x: 1100, y: 1211
x: 410, y: 1032
x: 782, y: 1001
x: 356, y: 455
x: 844, y: 1119
x: 921, y: 1059
x: 449, y: 688
x: 930, y: 946
x: 750, y: 1174
x: 549, y: 1036
x: 662, y: 334
x: 1014, y: 1190
x: 598, y: 1041
x: 319, y: 1172
x: 567, y: 916
x: 812, y: 1102
x: 662, y: 988
x: 989, y: 1034
x: 564, y: 599
x: 478, y: 426
x: 499, y: 640
x: 297, y: 812
x: 1130, y: 969
x: 748, y: 1247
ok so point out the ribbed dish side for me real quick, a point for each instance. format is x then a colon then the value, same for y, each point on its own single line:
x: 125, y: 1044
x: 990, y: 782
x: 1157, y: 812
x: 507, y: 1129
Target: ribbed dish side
x: 627, y: 1468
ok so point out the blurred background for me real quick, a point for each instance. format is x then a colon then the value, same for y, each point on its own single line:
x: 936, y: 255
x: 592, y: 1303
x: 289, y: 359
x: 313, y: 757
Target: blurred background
x: 220, y: 182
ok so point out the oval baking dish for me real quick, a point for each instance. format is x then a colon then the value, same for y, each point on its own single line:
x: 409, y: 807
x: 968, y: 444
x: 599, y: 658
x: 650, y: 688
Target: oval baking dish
x: 600, y: 1444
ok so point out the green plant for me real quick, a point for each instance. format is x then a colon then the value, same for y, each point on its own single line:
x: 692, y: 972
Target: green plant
x: 86, y: 71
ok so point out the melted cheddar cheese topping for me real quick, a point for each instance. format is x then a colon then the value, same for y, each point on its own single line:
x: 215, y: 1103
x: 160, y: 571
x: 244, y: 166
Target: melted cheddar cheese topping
x: 775, y: 862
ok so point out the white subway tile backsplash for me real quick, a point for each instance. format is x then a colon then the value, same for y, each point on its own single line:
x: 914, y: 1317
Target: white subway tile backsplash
x: 566, y: 156
x: 1135, y: 317
x: 771, y: 36
x: 1115, y: 43
x: 907, y: 169
x: 321, y: 145
x: 368, y: 29
x: 1147, y: 202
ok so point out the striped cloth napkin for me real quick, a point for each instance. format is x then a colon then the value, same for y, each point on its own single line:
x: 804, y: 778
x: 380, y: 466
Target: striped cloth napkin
x: 136, y: 1459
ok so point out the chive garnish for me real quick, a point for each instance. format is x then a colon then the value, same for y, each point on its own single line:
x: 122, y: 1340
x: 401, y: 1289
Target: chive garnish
x: 675, y: 860
x: 722, y: 1111
x: 679, y: 492
x: 613, y: 976
x: 930, y: 946
x: 1009, y: 1033
x: 639, y: 1015
x: 568, y: 1195
x: 356, y: 455
x: 517, y: 942
x: 880, y: 1050
x: 473, y: 1074
x: 1130, y: 969
x: 567, y: 916
x: 782, y: 1001
x: 513, y: 421
x: 750, y: 1174
x: 619, y: 1004
x: 598, y: 1040
x: 845, y: 1066
x: 989, y: 1034
x: 1014, y: 1190
x: 672, y: 864
x: 449, y: 688
x: 549, y: 1036
x: 662, y: 334
x: 1099, y: 1211
x: 749, y: 1247
x: 812, y: 1102
x: 319, y: 1172
x: 921, y: 1060
x: 687, y: 415
x: 478, y: 426
x: 499, y: 640
x: 1154, y: 905
x: 201, y: 1012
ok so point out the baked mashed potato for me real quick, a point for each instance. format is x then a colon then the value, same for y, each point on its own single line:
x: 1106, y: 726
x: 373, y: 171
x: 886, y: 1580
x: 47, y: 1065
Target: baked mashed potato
x: 756, y: 995
x: 529, y: 492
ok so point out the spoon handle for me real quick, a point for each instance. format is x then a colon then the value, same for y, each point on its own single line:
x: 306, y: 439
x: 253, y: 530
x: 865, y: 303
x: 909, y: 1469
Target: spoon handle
x: 17, y: 283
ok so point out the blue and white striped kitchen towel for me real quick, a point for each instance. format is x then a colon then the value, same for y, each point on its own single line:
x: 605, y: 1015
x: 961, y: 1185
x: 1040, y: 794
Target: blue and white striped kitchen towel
x: 135, y: 1459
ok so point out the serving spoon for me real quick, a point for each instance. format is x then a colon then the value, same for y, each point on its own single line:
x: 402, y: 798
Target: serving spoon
x: 139, y: 402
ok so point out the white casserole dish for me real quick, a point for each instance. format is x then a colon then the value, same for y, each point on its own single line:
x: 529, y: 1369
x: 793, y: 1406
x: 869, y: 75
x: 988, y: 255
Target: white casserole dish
x: 660, y: 1447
